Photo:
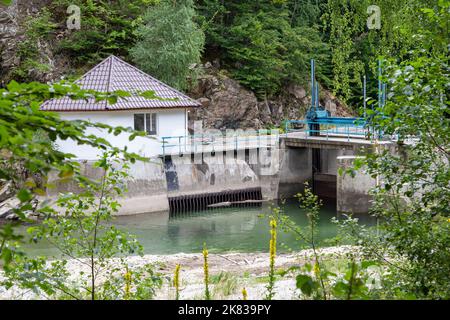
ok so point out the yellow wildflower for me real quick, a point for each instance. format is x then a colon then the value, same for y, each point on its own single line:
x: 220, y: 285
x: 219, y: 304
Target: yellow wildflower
x: 176, y: 281
x: 244, y: 294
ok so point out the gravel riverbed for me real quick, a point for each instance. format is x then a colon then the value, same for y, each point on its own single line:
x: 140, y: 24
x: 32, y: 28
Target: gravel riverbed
x: 230, y: 272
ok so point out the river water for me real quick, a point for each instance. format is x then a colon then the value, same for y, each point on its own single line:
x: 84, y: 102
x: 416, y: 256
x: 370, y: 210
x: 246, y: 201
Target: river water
x: 239, y: 229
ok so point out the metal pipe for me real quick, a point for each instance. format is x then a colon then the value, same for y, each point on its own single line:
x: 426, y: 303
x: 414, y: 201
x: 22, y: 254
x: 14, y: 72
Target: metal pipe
x: 364, y: 94
x: 379, y: 83
x: 317, y: 96
x: 313, y: 90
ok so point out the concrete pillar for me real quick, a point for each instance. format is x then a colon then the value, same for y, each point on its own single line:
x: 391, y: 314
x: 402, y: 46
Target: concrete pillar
x: 295, y: 170
x: 353, y: 192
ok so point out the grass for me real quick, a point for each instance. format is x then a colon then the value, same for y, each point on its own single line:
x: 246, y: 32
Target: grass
x: 225, y: 284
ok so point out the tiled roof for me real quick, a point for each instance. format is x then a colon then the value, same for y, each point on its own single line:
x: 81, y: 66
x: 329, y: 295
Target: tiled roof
x: 115, y: 74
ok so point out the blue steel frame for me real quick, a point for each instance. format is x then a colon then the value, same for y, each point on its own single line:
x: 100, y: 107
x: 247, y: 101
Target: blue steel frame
x: 319, y: 123
x: 349, y: 128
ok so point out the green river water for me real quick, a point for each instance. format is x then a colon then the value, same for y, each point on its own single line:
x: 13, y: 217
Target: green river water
x: 223, y: 230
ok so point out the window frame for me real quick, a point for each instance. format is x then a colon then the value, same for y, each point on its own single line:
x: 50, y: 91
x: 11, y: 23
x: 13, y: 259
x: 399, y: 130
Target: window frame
x: 153, y: 131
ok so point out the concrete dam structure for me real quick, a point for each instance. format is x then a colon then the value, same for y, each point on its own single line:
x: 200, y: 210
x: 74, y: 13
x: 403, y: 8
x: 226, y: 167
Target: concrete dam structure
x: 198, y: 181
x: 211, y: 168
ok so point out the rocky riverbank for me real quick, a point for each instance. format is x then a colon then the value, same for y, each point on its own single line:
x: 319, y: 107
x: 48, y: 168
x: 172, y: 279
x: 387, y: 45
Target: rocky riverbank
x: 229, y: 273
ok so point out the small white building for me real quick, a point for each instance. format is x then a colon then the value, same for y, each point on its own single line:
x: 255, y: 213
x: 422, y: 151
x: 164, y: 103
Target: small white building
x: 158, y: 118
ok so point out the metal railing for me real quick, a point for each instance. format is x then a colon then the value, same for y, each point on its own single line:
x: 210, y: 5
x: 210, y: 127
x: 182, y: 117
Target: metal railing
x: 215, y: 142
x: 347, y: 128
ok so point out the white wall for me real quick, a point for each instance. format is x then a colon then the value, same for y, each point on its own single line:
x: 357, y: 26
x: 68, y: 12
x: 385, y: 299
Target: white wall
x: 170, y: 123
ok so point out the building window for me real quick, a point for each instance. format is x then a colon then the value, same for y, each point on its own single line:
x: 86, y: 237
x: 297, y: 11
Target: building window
x: 145, y: 122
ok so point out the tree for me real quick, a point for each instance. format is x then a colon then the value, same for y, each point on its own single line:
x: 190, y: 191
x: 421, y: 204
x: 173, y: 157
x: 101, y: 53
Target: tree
x: 413, y: 196
x: 170, y: 42
x: 107, y: 27
x: 262, y: 43
x: 355, y: 48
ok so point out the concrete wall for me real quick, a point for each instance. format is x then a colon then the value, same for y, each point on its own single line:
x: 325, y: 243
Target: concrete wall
x: 353, y: 192
x: 212, y: 175
x: 295, y: 170
x: 147, y: 185
x: 329, y: 163
x: 147, y: 188
x: 171, y: 122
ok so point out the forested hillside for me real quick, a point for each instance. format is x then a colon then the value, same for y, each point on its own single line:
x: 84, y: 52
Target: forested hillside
x: 259, y: 47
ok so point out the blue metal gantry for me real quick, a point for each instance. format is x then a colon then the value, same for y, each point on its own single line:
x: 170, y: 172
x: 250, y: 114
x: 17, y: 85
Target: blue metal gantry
x: 319, y: 122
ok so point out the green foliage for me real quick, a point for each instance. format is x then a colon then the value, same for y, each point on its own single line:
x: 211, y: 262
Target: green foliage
x: 354, y: 281
x: 38, y: 28
x: 206, y: 272
x: 264, y: 44
x: 176, y: 281
x: 413, y: 194
x: 8, y: 244
x: 260, y: 43
x: 317, y: 279
x: 107, y: 27
x: 272, y: 255
x: 79, y: 231
x: 20, y: 120
x: 355, y: 48
x: 225, y: 284
x: 170, y: 42
x: 139, y: 284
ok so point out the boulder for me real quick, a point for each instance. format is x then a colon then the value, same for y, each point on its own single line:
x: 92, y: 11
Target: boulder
x: 205, y: 102
x: 226, y: 104
x: 297, y: 91
x: 6, y: 192
x: 7, y: 207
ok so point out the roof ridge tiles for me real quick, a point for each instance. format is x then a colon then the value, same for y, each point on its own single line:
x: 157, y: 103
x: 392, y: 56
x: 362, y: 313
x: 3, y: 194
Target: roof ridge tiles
x: 153, y: 78
x: 108, y: 76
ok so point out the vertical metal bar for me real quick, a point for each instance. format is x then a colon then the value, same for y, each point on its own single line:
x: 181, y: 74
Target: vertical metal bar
x: 317, y: 96
x: 365, y: 95
x: 181, y: 204
x: 313, y: 90
x: 379, y: 83
x: 258, y: 139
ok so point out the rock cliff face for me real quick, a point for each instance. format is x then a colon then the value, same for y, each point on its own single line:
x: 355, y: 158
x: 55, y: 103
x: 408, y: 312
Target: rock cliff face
x: 227, y: 104
x: 12, y: 34
x: 9, y: 37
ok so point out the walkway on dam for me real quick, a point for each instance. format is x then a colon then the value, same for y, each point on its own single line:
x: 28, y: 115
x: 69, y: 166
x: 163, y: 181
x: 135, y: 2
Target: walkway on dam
x: 303, y: 140
x: 210, y: 143
x: 299, y: 139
